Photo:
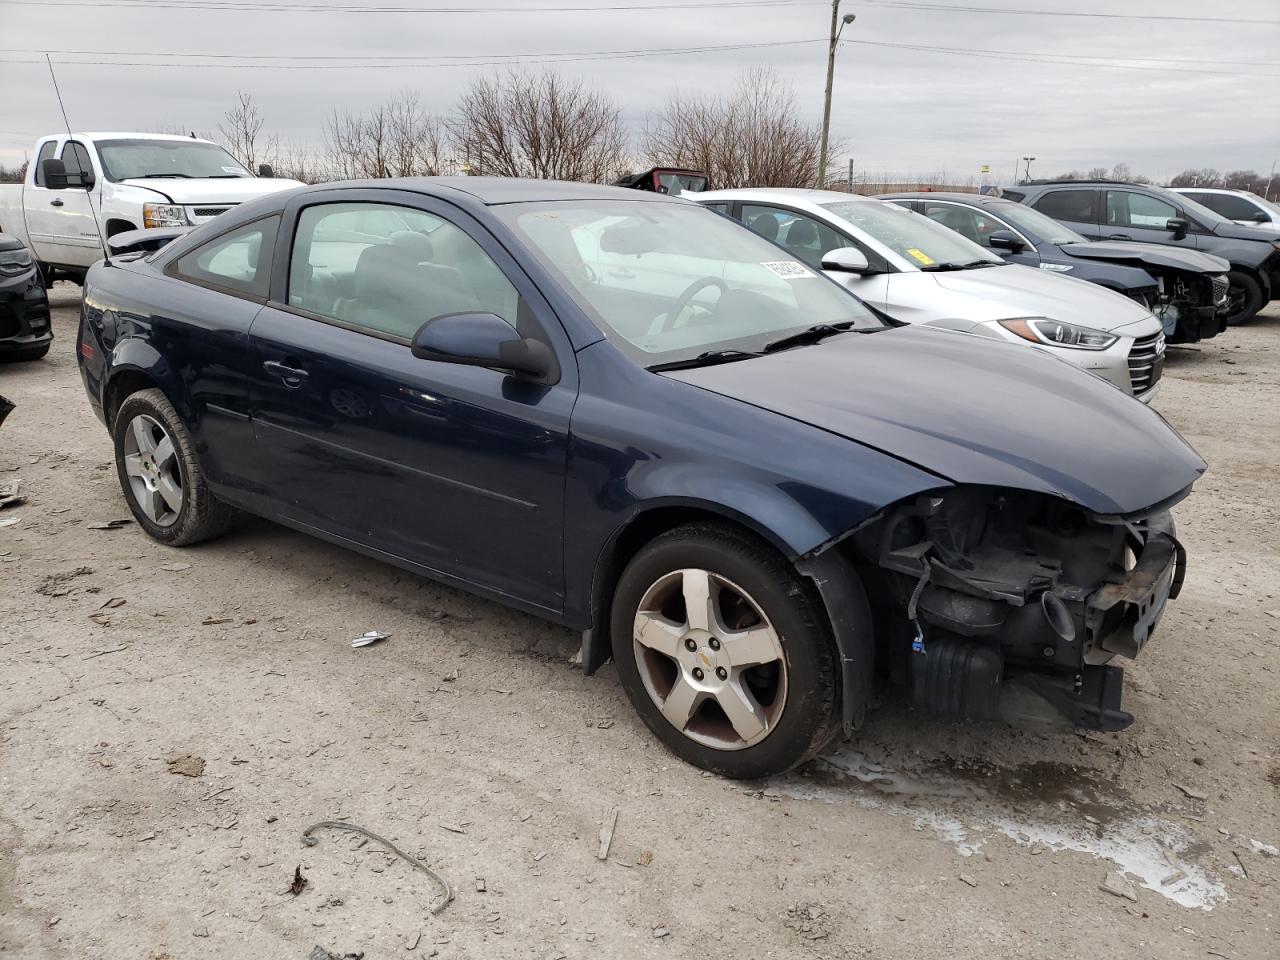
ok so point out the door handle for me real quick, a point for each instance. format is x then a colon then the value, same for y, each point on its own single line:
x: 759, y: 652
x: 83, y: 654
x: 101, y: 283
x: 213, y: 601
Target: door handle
x: 292, y: 376
x: 1119, y: 236
x: 55, y: 202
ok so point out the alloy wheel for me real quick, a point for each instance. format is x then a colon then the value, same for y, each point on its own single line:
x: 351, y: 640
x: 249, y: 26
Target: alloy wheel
x: 151, y: 464
x: 710, y: 659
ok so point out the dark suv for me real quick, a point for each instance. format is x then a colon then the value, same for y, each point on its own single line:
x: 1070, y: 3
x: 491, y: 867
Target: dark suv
x: 1113, y: 210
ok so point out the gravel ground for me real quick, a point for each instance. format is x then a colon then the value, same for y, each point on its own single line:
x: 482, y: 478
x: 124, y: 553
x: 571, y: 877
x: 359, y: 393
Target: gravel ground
x: 470, y: 740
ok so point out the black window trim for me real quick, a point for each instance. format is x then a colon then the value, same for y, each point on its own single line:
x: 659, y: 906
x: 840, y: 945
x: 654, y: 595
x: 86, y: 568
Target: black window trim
x: 285, y: 240
x: 70, y: 144
x: 170, y: 269
x: 52, y: 146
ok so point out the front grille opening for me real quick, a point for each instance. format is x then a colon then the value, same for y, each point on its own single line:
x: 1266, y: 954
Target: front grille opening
x: 1145, y: 363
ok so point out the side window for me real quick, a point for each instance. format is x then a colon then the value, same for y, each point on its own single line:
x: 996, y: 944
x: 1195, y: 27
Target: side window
x: 1126, y: 209
x: 970, y: 223
x: 803, y: 237
x: 45, y: 153
x: 76, y: 159
x: 721, y: 207
x: 1078, y: 205
x: 238, y: 261
x: 390, y: 269
x: 1228, y: 205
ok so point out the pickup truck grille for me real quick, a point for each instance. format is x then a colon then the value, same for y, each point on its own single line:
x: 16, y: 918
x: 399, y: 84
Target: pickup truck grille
x: 1146, y: 363
x: 201, y: 214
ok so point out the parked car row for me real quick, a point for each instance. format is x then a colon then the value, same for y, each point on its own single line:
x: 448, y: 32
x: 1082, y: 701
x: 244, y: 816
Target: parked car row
x: 623, y: 412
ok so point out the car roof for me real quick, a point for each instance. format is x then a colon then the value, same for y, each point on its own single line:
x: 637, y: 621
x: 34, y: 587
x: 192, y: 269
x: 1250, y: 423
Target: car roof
x: 783, y: 195
x: 131, y: 135
x: 940, y: 195
x: 498, y: 190
x: 1239, y: 193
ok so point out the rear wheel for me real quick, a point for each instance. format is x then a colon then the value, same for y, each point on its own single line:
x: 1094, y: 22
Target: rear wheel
x: 160, y: 475
x: 725, y: 653
x: 1244, y: 296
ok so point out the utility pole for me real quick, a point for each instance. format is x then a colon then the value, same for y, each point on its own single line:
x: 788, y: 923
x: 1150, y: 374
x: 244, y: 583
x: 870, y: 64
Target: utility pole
x: 1028, y: 162
x: 1267, y: 195
x: 837, y: 27
x: 850, y: 180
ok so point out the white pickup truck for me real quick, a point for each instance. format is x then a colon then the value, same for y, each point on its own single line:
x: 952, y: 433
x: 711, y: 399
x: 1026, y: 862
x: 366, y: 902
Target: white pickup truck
x: 133, y: 180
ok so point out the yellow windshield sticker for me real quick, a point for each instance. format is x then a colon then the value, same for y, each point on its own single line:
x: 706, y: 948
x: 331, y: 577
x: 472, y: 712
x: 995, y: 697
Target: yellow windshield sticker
x: 920, y: 257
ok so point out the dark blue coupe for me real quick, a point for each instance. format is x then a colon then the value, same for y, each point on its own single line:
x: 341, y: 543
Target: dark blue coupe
x: 629, y: 415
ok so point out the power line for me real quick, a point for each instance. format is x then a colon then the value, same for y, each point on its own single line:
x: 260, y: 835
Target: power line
x: 1018, y: 12
x: 476, y: 60
x: 273, y: 6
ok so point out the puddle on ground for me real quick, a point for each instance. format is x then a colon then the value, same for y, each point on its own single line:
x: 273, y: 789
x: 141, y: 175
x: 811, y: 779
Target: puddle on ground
x: 1051, y: 804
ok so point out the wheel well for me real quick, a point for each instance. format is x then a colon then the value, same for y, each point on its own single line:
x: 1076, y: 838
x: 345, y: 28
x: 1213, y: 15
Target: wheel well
x: 641, y: 530
x: 120, y: 387
x: 118, y: 226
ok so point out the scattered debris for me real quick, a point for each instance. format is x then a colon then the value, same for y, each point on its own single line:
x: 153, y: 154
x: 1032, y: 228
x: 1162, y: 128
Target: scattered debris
x: 320, y: 953
x: 103, y: 653
x: 109, y: 525
x: 1116, y: 885
x: 113, y: 603
x: 176, y: 567
x: 809, y: 920
x: 660, y: 932
x: 186, y: 764
x: 367, y: 638
x: 480, y: 885
x: 451, y: 676
x: 10, y: 521
x: 11, y: 494
x: 645, y: 858
x: 412, y: 940
x: 452, y: 827
x: 299, y: 882
x: 1243, y: 868
x: 1175, y: 877
x: 1193, y: 794
x: 214, y: 621
x: 606, y: 834
x: 447, y: 891
x: 200, y: 932
x: 965, y: 878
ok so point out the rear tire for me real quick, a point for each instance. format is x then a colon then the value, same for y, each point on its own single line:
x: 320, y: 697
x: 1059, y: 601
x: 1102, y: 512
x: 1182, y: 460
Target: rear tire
x: 748, y: 687
x: 160, y: 476
x: 1246, y: 297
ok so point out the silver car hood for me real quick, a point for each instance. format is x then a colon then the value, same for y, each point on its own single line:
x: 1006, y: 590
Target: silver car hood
x: 1001, y: 293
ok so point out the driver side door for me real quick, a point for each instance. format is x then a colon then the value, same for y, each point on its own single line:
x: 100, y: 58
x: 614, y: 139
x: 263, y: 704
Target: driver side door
x: 456, y: 469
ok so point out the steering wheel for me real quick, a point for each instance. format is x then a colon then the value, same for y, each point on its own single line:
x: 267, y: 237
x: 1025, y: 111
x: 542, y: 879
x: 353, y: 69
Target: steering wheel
x: 691, y: 291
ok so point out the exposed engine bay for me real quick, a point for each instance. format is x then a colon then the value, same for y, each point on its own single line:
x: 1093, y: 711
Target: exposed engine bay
x: 1191, y: 306
x: 993, y: 603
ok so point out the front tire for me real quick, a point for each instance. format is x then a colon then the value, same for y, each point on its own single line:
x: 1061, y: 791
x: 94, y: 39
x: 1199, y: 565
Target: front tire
x: 1245, y: 294
x: 160, y: 476
x: 725, y: 652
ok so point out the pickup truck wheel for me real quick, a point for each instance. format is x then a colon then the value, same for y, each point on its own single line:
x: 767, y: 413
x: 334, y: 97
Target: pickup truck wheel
x: 725, y: 652
x: 160, y: 476
x: 1245, y: 297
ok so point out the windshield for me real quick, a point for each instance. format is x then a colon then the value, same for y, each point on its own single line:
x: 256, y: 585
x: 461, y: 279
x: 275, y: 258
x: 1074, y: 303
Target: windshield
x: 131, y: 159
x: 669, y: 281
x: 1034, y: 222
x: 918, y: 240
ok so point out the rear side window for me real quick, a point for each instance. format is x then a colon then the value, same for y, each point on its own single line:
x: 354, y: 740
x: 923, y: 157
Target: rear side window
x: 46, y: 152
x: 76, y: 159
x: 1229, y: 205
x: 1078, y: 205
x: 237, y: 262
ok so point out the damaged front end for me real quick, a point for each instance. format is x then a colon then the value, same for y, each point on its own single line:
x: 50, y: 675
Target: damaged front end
x: 994, y: 603
x: 1191, y: 306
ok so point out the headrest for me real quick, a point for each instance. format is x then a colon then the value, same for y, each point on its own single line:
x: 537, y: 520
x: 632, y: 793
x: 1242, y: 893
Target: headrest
x: 383, y: 272
x: 802, y: 233
x: 418, y: 244
x: 765, y: 224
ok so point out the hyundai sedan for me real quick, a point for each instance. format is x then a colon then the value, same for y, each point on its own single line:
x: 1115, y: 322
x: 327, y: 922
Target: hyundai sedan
x: 630, y: 416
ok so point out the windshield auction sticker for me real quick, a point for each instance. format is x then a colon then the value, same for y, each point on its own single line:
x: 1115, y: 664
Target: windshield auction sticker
x: 919, y: 256
x: 788, y: 269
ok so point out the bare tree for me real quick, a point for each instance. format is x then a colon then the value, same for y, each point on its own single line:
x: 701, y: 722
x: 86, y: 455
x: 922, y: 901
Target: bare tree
x: 1243, y: 180
x: 397, y: 139
x: 755, y: 137
x: 538, y: 125
x: 240, y: 128
x: 1098, y: 173
x: 1204, y: 177
x: 13, y: 174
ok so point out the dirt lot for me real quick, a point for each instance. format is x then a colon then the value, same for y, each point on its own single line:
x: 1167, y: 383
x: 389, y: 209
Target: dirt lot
x: 470, y: 739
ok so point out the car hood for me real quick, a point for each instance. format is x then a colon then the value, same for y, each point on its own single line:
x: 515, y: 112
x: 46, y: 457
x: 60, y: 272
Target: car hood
x: 239, y: 190
x: 1252, y: 231
x: 1028, y: 292
x: 973, y: 411
x: 1152, y: 254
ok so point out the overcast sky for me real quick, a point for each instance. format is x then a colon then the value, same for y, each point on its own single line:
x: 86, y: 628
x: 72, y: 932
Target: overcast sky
x: 897, y: 110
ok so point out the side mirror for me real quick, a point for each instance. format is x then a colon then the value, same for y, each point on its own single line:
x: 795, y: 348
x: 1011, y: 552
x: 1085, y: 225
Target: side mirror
x: 1261, y: 217
x: 846, y: 260
x: 1007, y: 240
x: 484, y: 340
x: 1179, y: 226
x: 55, y: 174
x: 265, y: 171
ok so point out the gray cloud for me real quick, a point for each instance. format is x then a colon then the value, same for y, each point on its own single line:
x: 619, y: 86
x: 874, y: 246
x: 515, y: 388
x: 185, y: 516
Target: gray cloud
x: 897, y: 110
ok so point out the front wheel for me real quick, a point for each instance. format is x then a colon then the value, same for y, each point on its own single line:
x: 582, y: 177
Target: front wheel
x: 160, y: 476
x: 725, y: 652
x: 1245, y: 297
